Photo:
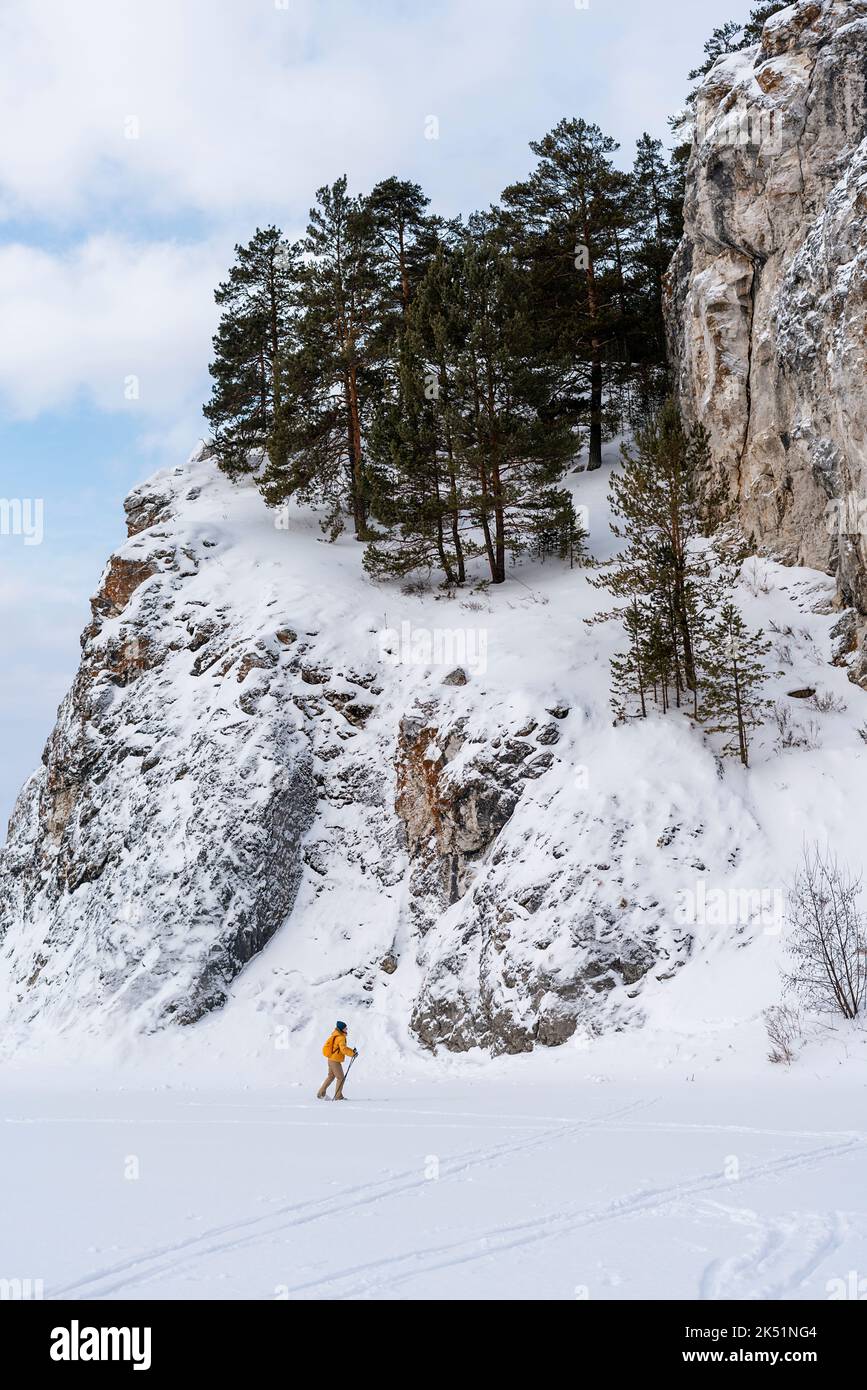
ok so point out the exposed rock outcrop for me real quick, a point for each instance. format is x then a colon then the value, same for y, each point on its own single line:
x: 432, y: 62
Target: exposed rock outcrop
x: 158, y: 848
x: 767, y: 304
x: 240, y: 765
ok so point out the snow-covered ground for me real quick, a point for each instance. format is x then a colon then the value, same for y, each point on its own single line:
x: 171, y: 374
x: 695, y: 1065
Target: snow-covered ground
x: 520, y: 1184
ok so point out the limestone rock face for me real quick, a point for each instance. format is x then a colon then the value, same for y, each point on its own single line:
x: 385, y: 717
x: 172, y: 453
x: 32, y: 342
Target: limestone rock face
x: 253, y: 807
x: 158, y: 847
x: 767, y: 294
x: 519, y: 937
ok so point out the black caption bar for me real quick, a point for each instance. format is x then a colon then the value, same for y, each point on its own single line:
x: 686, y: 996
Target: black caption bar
x: 153, y: 1339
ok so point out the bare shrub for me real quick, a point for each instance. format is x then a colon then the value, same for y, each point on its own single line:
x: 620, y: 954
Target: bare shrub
x: 826, y: 702
x: 812, y: 653
x: 756, y: 578
x: 783, y: 1026
x: 791, y: 733
x: 417, y: 584
x: 827, y: 941
x: 783, y: 652
x: 811, y: 735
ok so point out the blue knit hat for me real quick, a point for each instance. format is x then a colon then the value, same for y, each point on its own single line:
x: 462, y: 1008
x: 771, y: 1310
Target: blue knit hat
x: 341, y: 1026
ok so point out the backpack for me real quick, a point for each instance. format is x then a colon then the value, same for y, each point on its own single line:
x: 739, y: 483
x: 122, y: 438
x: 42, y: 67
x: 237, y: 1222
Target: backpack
x: 332, y: 1046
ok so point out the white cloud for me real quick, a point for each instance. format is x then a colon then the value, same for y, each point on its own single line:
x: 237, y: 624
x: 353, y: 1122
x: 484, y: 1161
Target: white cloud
x: 120, y: 325
x: 242, y: 104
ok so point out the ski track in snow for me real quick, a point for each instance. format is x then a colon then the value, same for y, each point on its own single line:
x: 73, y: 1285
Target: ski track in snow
x: 785, y: 1251
x: 229, y: 1237
x: 395, y: 1270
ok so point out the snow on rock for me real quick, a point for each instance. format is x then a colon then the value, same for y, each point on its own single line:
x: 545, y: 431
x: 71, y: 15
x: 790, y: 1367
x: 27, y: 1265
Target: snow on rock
x: 768, y: 290
x: 268, y: 802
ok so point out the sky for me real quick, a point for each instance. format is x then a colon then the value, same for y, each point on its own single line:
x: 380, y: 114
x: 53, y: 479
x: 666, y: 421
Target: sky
x: 143, y: 141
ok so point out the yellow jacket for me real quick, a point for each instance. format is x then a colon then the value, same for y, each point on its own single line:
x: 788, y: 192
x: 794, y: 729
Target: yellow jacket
x: 337, y: 1049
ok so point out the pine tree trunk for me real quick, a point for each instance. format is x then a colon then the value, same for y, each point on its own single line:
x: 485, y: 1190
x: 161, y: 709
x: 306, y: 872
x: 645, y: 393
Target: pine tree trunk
x: 594, y: 459
x: 496, y: 490
x: 443, y: 554
x: 739, y: 711
x: 404, y: 278
x: 263, y: 391
x: 595, y: 455
x: 483, y: 479
x: 684, y: 633
x: 453, y: 490
x: 679, y: 596
x: 359, y: 504
x: 275, y: 349
x: 486, y: 526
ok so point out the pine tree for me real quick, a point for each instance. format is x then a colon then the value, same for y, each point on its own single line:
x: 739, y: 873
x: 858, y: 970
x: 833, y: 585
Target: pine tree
x: 471, y: 454
x: 329, y: 382
x: 655, y: 508
x: 726, y: 38
x: 406, y: 237
x: 255, y: 336
x: 416, y: 490
x: 511, y: 445
x: 732, y: 675
x: 662, y: 657
x: 655, y: 226
x: 629, y: 669
x: 565, y: 217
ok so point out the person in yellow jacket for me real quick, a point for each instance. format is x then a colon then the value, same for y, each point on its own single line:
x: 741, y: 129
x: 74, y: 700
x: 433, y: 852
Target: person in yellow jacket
x: 335, y: 1051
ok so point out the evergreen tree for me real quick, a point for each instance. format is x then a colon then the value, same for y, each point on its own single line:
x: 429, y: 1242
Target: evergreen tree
x: 629, y: 669
x: 726, y: 38
x: 662, y: 657
x: 655, y: 509
x: 255, y: 336
x: 655, y: 226
x: 417, y: 491
x: 405, y: 237
x: 512, y: 445
x: 732, y: 675
x: 328, y: 384
x: 566, y: 217
x: 475, y: 443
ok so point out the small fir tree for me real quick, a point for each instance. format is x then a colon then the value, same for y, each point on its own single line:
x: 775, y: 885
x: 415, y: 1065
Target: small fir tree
x: 732, y: 674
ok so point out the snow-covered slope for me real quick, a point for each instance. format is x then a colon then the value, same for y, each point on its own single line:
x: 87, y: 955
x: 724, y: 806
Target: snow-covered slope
x: 268, y: 793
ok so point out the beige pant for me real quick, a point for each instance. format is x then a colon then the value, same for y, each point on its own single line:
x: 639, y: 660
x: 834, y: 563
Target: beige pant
x: 335, y: 1073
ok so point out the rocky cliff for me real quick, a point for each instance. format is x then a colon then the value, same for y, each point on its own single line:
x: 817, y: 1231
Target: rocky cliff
x: 277, y: 793
x: 768, y: 290
x: 252, y: 763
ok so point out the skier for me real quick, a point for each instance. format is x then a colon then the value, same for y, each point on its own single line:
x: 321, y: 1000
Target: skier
x: 336, y: 1050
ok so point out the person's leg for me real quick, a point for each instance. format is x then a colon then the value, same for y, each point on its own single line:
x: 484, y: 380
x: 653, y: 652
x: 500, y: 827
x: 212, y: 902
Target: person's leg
x: 338, y: 1072
x: 327, y: 1082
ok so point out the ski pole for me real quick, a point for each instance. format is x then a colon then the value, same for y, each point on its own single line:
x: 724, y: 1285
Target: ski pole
x: 348, y: 1070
